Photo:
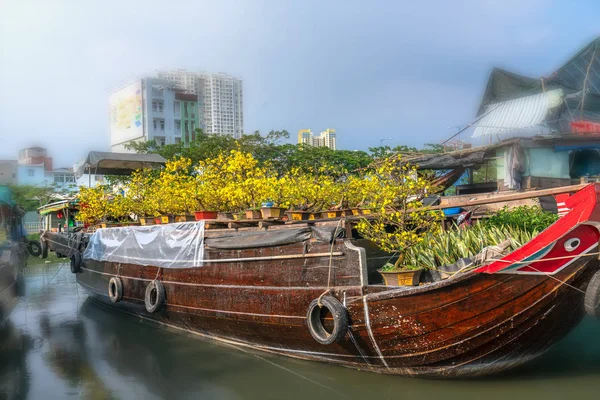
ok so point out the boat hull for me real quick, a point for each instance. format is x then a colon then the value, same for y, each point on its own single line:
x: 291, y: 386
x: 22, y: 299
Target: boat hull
x: 476, y: 324
x: 12, y: 259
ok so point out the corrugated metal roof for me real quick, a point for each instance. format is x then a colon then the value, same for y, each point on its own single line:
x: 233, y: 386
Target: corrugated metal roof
x: 523, y: 112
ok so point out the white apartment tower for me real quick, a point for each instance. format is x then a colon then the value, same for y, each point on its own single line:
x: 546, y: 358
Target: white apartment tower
x: 220, y: 99
x: 223, y: 104
x: 182, y: 79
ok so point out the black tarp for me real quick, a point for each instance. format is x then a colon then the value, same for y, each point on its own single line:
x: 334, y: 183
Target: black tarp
x: 105, y: 163
x: 276, y: 237
x: 581, y: 72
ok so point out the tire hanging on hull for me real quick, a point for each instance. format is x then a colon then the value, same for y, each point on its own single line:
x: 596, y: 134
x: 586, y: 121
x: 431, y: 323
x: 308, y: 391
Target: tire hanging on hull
x: 115, y: 289
x: 155, y: 296
x: 314, y: 318
x: 592, y: 296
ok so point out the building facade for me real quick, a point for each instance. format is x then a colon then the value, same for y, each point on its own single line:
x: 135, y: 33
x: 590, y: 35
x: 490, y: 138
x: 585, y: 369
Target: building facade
x: 327, y: 138
x: 186, y: 115
x: 220, y: 99
x: 305, y: 136
x: 223, y: 110
x: 145, y: 110
x: 8, y: 172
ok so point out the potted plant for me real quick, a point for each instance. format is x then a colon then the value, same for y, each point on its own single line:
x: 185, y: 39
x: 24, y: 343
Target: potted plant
x: 184, y: 218
x: 253, y: 213
x: 268, y: 210
x: 400, y: 276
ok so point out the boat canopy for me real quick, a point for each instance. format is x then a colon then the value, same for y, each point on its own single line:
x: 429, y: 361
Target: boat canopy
x: 105, y: 163
x: 57, y: 206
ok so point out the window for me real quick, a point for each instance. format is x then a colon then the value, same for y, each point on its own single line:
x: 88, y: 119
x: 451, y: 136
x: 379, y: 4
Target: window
x: 155, y: 124
x: 178, y: 125
x: 177, y: 140
x: 30, y: 172
x: 162, y: 125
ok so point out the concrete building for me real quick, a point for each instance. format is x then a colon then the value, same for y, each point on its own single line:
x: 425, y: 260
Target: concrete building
x: 186, y: 116
x: 305, y: 136
x: 145, y: 110
x: 327, y: 138
x: 220, y: 99
x: 35, y: 156
x: 223, y: 110
x: 183, y: 80
x: 8, y: 172
x: 33, y: 175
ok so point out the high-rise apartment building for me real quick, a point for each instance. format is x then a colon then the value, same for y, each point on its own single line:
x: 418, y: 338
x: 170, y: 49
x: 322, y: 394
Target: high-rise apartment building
x: 182, y: 80
x: 327, y: 138
x: 305, y: 136
x: 220, y: 99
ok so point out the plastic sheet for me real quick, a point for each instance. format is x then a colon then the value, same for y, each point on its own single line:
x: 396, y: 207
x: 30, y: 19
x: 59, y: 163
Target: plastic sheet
x: 166, y: 246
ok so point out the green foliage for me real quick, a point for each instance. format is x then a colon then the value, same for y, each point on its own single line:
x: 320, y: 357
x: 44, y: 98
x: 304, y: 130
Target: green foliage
x: 265, y: 149
x: 32, y: 197
x: 527, y: 218
x: 446, y: 247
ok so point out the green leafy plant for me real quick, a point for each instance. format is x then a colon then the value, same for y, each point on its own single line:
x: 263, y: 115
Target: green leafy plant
x: 527, y: 218
x: 445, y: 248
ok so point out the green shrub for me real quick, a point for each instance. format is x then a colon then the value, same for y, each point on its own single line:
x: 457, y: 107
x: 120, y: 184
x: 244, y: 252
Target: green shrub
x: 527, y: 218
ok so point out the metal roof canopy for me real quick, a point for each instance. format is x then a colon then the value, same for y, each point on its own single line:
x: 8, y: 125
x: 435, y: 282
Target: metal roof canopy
x: 519, y: 113
x: 105, y: 163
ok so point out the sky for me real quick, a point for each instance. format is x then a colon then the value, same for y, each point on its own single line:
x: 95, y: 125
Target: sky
x: 409, y: 71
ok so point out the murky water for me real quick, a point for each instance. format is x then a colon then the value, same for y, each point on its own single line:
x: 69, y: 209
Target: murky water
x: 60, y: 344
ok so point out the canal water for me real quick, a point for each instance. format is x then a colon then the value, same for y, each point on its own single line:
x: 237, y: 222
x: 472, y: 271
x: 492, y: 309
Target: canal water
x: 61, y: 345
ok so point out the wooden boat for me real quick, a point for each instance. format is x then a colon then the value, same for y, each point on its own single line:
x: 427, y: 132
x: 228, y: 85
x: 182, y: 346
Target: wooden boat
x: 13, y: 254
x: 322, y: 299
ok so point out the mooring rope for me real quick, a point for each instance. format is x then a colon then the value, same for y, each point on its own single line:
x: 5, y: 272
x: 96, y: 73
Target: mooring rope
x: 335, y: 233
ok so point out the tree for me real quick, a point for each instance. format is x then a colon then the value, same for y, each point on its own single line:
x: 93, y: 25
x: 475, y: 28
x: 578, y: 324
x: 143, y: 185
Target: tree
x: 32, y: 197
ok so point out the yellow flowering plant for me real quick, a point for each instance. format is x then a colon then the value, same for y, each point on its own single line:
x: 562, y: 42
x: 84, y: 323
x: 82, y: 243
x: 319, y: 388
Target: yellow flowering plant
x: 401, y: 221
x: 93, y: 204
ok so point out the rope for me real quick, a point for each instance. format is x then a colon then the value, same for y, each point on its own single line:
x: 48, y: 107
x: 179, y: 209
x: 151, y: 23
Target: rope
x: 563, y: 282
x: 544, y: 259
x: 335, y: 233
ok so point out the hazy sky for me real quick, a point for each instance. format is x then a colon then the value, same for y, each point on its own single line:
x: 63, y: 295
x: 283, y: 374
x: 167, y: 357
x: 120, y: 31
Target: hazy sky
x: 406, y: 70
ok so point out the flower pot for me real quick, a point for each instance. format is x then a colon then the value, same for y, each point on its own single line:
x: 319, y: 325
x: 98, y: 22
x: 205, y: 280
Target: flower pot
x: 167, y: 219
x: 184, y: 218
x: 272, y: 212
x: 253, y: 214
x: 298, y: 215
x: 157, y: 220
x: 401, y: 277
x: 239, y: 216
x: 347, y: 212
x: 202, y: 215
x: 355, y: 211
x: 227, y: 216
x: 146, y: 221
x: 331, y: 214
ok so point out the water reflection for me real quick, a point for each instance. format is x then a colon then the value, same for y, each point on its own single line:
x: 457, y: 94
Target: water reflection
x: 62, y: 344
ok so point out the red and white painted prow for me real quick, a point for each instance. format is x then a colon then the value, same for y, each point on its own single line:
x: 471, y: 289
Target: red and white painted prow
x: 561, y: 205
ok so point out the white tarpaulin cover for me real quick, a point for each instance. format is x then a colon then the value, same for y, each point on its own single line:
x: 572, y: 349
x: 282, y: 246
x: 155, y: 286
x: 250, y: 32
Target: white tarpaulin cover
x: 178, y: 245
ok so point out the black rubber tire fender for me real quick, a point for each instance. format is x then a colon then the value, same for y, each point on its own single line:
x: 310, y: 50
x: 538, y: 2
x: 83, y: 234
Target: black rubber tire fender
x: 592, y: 296
x: 76, y: 262
x: 44, y: 247
x: 115, y: 289
x: 340, y: 320
x: 34, y: 248
x: 155, y: 296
